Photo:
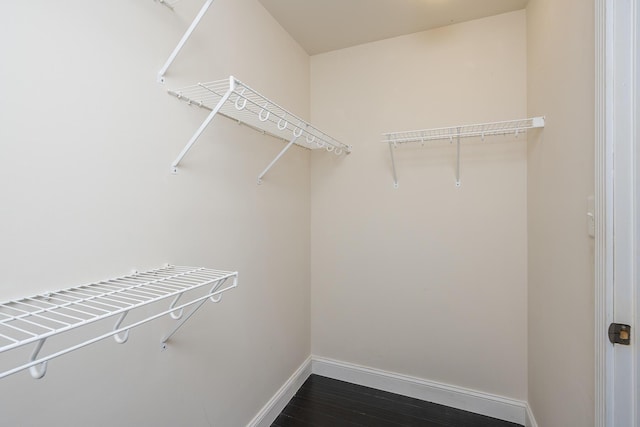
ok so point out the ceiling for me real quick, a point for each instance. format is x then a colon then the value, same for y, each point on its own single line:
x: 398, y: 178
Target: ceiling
x: 325, y: 25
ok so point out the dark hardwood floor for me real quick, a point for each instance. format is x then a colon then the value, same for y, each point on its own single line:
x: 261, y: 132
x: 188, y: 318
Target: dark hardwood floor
x: 325, y: 402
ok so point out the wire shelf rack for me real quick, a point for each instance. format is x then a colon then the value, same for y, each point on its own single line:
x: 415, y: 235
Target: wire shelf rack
x: 238, y: 101
x: 478, y: 130
x: 450, y: 133
x: 33, y: 320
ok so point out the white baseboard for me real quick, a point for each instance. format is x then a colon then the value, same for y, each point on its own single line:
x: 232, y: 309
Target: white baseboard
x: 503, y: 408
x: 276, y: 404
x: 530, y: 421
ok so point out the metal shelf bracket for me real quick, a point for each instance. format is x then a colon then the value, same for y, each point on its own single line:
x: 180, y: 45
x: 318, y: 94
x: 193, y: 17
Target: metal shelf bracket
x: 184, y: 38
x: 393, y: 162
x: 280, y: 154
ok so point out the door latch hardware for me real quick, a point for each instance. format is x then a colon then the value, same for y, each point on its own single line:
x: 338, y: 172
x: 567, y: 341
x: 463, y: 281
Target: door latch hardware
x: 620, y: 334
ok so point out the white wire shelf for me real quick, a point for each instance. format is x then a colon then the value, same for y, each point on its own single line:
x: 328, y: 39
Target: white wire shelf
x: 450, y: 133
x: 33, y: 320
x: 237, y: 101
x: 478, y: 130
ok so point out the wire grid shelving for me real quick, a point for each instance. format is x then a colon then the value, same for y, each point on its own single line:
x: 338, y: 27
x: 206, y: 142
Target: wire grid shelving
x: 33, y: 320
x: 238, y: 101
x: 450, y: 133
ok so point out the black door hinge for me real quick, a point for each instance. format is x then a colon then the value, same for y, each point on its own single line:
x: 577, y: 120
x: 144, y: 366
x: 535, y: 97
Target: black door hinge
x: 620, y: 334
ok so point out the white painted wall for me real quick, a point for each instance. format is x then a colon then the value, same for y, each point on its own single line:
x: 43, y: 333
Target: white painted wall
x: 87, y: 137
x: 561, y: 82
x: 428, y: 280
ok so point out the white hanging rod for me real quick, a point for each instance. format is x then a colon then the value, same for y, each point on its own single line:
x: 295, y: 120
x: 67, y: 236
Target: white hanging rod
x: 35, y: 319
x: 481, y: 130
x: 184, y: 38
x: 238, y: 101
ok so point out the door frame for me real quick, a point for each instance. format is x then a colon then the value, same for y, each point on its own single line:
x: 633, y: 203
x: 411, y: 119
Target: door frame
x: 617, y: 182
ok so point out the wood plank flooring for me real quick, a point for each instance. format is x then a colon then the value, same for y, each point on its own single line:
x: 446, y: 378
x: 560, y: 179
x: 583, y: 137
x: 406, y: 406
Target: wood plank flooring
x: 325, y: 402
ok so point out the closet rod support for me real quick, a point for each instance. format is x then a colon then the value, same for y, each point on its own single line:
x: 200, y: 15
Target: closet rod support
x: 280, y: 154
x: 182, y: 41
x: 203, y: 126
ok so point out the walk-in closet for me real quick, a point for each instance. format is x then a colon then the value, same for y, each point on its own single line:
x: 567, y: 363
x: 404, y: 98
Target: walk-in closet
x: 206, y: 202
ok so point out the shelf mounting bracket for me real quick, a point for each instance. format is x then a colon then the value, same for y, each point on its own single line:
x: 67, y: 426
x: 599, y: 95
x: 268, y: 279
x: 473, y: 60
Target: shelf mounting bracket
x: 215, y: 298
x: 203, y: 126
x: 393, y: 164
x: 184, y: 39
x: 458, y: 160
x: 280, y: 154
